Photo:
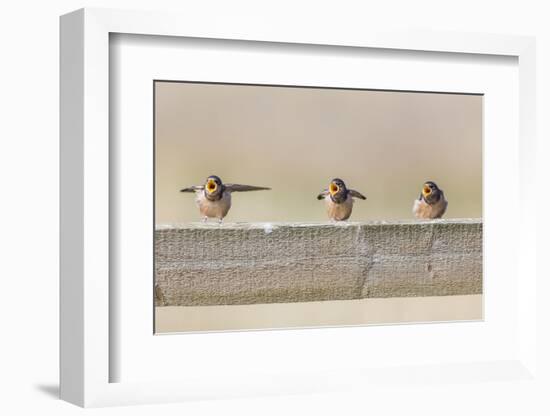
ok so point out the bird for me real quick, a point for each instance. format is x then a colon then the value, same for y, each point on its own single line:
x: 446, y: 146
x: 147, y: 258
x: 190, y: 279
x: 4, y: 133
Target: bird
x: 214, y: 197
x: 431, y: 203
x: 339, y: 200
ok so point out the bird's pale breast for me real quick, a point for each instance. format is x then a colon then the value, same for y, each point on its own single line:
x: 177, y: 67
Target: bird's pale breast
x: 214, y: 209
x: 339, y: 212
x: 423, y: 210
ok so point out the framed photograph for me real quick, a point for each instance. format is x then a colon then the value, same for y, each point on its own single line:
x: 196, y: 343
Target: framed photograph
x: 299, y: 255
x: 232, y: 196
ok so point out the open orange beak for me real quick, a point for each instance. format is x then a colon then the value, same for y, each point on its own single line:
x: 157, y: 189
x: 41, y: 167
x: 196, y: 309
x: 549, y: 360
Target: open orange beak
x: 211, y: 186
x: 333, y: 188
x: 426, y: 190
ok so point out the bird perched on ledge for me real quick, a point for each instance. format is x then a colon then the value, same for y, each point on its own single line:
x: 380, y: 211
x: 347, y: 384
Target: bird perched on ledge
x: 214, y: 197
x: 339, y: 200
x: 431, y: 203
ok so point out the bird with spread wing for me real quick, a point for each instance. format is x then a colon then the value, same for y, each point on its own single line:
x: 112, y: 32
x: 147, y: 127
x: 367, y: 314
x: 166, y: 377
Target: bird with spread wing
x: 339, y: 200
x: 214, y: 197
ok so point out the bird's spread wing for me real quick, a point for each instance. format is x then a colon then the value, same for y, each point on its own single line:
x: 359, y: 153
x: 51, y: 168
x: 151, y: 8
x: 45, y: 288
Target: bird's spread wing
x: 234, y: 187
x: 322, y: 195
x: 356, y: 194
x: 193, y: 188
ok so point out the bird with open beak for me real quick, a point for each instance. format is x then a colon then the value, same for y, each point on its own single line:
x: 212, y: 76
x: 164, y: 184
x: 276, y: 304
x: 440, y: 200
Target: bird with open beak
x: 339, y: 200
x: 214, y: 197
x: 431, y: 203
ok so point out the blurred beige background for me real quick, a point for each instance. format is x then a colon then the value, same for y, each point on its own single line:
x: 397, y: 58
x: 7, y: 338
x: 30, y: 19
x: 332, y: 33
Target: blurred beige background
x: 313, y: 314
x: 384, y: 144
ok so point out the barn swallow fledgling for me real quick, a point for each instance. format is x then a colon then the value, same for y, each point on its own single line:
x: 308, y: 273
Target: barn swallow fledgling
x: 214, y: 197
x: 339, y: 200
x: 431, y: 203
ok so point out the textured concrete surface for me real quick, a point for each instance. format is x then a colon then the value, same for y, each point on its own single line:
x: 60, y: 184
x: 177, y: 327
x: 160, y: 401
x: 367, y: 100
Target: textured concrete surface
x: 231, y: 264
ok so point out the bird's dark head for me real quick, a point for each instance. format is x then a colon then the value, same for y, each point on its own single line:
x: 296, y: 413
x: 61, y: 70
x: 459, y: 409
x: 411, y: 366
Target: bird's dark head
x: 213, y: 185
x: 430, y: 192
x: 337, y: 190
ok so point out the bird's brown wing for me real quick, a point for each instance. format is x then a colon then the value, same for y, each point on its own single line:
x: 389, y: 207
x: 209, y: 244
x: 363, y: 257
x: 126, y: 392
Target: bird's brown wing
x: 193, y: 188
x: 322, y: 195
x: 356, y: 194
x: 235, y: 187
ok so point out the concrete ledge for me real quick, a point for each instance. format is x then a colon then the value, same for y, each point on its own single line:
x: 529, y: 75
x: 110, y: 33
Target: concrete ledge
x: 232, y: 264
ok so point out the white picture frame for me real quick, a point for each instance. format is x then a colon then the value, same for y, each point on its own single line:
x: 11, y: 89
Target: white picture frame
x: 86, y: 329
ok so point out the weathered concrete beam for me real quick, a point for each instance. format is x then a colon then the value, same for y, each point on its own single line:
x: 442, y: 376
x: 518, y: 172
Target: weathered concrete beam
x: 209, y: 264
